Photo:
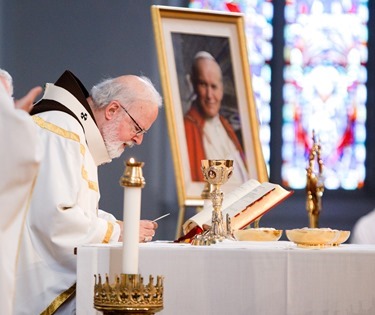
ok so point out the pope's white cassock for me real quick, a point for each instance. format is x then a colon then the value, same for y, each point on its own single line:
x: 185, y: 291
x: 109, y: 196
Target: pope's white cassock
x: 20, y: 154
x: 63, y: 211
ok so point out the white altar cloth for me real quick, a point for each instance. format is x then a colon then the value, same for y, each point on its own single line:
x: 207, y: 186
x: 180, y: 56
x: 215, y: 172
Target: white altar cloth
x: 235, y: 278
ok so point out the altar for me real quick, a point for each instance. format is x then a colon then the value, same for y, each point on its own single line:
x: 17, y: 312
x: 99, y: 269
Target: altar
x: 257, y: 278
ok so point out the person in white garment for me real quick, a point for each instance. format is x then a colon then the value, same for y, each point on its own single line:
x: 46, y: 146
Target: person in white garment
x: 20, y: 154
x: 79, y: 131
x: 364, y: 229
x: 209, y: 135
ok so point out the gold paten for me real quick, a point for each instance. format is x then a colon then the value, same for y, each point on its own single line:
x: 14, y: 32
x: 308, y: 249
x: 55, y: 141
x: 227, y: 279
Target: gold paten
x: 128, y: 295
x: 317, y: 238
x: 216, y: 173
x: 258, y: 234
x: 314, y: 184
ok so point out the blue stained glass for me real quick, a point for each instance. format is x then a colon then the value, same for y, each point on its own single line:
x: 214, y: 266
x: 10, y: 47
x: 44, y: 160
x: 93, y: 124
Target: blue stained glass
x: 325, y: 78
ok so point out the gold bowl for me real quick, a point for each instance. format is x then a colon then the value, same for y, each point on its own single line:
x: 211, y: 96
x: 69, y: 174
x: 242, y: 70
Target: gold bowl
x: 317, y: 238
x: 344, y: 235
x: 258, y: 234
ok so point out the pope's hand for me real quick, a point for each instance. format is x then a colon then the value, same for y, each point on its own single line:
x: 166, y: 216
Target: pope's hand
x: 147, y: 230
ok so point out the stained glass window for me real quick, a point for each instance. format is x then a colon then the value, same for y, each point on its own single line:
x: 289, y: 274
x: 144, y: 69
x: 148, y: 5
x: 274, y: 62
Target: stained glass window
x: 325, y: 76
x: 258, y: 20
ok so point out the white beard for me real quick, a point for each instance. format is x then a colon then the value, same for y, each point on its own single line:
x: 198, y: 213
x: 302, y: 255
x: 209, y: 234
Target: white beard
x: 110, y: 136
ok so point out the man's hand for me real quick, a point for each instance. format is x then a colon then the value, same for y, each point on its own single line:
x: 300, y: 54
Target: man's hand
x: 147, y: 230
x: 121, y: 224
x: 26, y: 102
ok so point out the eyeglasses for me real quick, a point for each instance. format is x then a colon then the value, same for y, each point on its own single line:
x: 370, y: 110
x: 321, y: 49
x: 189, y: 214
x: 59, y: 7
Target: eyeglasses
x: 140, y: 130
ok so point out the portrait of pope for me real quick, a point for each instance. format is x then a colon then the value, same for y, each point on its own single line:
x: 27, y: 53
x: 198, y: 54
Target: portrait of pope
x: 209, y: 103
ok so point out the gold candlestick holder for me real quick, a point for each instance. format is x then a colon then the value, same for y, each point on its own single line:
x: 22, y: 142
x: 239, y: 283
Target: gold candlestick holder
x: 133, y: 176
x: 314, y: 184
x: 128, y: 295
x: 216, y: 173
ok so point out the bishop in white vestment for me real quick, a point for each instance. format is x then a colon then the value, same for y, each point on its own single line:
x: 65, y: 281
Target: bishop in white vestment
x: 63, y: 209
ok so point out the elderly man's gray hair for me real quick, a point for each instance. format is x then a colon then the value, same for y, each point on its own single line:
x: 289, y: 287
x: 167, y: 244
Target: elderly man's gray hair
x: 111, y: 89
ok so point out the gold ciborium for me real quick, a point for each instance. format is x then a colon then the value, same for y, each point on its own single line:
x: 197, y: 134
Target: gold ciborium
x: 314, y: 184
x: 216, y: 173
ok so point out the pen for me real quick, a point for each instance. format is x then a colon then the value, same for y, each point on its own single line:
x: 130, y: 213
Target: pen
x: 163, y: 216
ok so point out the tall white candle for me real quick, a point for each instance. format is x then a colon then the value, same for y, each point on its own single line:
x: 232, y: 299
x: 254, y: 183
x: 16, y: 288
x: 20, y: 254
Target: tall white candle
x: 132, y: 213
x: 133, y: 182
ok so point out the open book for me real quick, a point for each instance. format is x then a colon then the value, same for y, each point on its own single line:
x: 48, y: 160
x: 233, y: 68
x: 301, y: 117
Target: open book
x: 244, y: 205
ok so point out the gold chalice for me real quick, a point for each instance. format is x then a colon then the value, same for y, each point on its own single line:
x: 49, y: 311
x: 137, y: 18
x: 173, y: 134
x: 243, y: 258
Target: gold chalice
x: 216, y: 173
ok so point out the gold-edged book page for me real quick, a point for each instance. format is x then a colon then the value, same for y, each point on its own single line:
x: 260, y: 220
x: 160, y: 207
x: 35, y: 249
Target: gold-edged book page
x: 244, y: 205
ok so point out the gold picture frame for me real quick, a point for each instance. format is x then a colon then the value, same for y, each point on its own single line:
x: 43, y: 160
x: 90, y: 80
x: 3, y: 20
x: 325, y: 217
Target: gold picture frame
x: 179, y: 34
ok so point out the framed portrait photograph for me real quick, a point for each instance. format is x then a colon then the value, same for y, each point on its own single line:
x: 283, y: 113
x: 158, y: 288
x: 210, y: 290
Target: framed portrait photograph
x: 208, y: 97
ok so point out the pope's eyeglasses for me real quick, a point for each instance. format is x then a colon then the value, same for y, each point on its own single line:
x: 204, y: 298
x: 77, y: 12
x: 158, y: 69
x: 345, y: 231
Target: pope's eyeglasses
x: 139, y: 130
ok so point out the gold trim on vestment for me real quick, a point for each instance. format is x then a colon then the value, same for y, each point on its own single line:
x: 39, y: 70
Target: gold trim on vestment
x: 57, y: 130
x: 92, y: 185
x: 108, y: 235
x: 68, y: 135
x: 93, y: 136
x: 60, y: 300
x: 83, y: 149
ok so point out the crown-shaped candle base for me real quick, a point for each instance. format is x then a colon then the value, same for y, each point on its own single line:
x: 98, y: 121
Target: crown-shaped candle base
x: 128, y: 295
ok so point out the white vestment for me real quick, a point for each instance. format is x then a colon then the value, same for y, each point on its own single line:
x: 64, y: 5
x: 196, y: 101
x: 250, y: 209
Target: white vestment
x: 63, y: 215
x: 364, y: 230
x: 20, y: 154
